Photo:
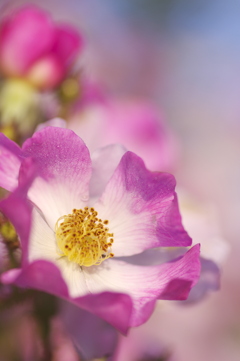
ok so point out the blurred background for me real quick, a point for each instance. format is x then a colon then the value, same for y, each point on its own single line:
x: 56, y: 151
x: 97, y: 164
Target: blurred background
x: 185, y: 56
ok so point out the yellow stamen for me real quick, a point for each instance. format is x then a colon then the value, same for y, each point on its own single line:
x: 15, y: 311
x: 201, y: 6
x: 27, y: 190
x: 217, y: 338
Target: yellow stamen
x: 83, y: 238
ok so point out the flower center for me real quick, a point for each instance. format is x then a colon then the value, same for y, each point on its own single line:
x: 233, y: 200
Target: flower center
x: 83, y: 238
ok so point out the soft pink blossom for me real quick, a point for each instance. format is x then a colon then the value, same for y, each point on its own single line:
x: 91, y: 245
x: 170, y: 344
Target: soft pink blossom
x: 32, y: 46
x: 55, y: 172
x: 135, y: 123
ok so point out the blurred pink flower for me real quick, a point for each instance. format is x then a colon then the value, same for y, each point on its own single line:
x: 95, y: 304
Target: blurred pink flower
x: 142, y: 344
x: 140, y: 207
x: 61, y: 344
x: 35, y: 48
x: 92, y: 337
x: 136, y: 123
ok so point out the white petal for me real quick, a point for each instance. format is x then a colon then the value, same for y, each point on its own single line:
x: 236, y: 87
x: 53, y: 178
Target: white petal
x: 119, y: 276
x: 54, y: 200
x: 73, y: 276
x: 104, y: 163
x: 42, y: 244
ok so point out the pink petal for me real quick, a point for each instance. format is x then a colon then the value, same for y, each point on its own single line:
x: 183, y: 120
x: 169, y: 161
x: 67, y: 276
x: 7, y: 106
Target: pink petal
x: 142, y: 209
x: 67, y: 44
x: 138, y: 125
x: 19, y: 211
x: 40, y: 275
x: 169, y: 281
x: 25, y: 36
x: 51, y: 68
x: 183, y: 275
x: 134, y: 123
x: 114, y: 308
x: 64, y: 169
x: 9, y: 277
x: 10, y: 160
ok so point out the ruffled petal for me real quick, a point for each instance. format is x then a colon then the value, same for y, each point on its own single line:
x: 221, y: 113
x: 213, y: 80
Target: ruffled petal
x: 10, y: 160
x: 142, y: 209
x: 115, y: 308
x: 169, y: 281
x: 64, y: 169
x: 41, y: 275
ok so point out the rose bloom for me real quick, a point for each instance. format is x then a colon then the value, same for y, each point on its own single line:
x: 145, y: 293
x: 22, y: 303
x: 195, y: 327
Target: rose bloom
x: 36, y: 55
x: 81, y: 220
x: 33, y: 47
x: 136, y: 124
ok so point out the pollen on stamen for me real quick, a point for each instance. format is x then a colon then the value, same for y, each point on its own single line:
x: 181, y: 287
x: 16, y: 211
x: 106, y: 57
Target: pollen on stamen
x: 83, y: 238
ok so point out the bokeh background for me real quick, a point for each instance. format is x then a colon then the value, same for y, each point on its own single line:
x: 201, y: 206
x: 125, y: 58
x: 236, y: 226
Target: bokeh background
x: 184, y: 55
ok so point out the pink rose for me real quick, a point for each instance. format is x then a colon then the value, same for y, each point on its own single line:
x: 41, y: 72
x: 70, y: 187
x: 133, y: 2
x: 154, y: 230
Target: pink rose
x: 33, y: 47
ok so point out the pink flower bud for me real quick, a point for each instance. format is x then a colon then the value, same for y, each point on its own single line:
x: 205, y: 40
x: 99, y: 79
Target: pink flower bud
x: 32, y: 46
